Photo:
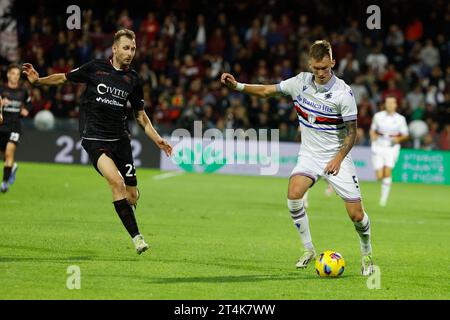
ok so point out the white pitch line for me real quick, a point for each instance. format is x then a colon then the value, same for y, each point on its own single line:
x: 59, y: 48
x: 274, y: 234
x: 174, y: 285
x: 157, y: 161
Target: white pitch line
x: 168, y: 175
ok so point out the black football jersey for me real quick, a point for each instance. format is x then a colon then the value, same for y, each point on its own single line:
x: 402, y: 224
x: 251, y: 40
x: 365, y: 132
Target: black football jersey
x: 18, y: 99
x: 103, y: 104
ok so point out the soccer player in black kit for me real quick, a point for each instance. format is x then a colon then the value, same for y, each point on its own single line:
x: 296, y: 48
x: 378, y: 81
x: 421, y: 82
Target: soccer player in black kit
x: 16, y: 103
x: 103, y: 122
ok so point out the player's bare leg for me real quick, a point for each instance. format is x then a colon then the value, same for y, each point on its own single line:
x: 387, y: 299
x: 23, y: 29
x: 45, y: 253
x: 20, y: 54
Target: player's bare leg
x: 8, y: 165
x: 123, y: 208
x: 298, y: 186
x: 386, y: 183
x: 362, y: 225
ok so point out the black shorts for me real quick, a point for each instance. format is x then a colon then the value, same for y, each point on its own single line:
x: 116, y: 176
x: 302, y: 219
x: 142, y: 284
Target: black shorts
x: 8, y: 136
x: 119, y: 151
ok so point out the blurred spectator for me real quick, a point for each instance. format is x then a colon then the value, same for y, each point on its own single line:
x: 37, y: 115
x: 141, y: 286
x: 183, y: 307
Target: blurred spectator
x: 429, y: 55
x: 415, y: 98
x: 348, y: 68
x: 359, y: 89
x: 377, y: 60
x: 393, y: 90
x: 444, y: 139
x: 39, y: 102
x: 200, y: 35
x: 150, y: 28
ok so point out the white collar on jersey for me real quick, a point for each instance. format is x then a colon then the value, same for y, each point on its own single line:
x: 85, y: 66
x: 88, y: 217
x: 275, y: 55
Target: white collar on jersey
x: 327, y: 86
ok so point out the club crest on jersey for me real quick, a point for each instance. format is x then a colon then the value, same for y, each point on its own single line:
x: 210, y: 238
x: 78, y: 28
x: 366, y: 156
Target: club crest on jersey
x: 304, y: 88
x: 311, y: 118
x: 328, y: 95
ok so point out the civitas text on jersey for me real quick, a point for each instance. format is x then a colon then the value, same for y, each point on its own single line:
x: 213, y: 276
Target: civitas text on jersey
x: 117, y: 93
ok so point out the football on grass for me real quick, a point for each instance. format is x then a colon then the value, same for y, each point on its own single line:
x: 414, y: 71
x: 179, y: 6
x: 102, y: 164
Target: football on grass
x: 330, y: 264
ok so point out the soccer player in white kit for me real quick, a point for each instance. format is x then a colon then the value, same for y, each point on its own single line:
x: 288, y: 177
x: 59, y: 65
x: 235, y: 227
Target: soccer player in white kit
x: 327, y: 114
x: 387, y: 131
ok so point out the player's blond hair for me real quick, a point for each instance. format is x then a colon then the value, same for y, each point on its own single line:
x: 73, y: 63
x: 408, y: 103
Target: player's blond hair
x: 124, y: 33
x: 320, y: 49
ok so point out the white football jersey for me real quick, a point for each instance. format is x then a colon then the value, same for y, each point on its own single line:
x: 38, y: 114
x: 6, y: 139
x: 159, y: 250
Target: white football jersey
x: 388, y: 126
x: 322, y: 111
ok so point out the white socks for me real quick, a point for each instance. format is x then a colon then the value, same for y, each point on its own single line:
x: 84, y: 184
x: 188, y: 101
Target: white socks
x: 385, y: 189
x: 363, y: 229
x: 298, y: 214
x: 305, y: 200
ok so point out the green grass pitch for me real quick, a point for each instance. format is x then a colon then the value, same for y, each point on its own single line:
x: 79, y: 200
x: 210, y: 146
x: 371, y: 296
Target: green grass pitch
x: 212, y: 237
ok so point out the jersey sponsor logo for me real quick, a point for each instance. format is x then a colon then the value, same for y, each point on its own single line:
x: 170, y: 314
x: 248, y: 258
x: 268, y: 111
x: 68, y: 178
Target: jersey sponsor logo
x: 109, y: 101
x: 12, y: 106
x: 319, y: 107
x: 116, y: 93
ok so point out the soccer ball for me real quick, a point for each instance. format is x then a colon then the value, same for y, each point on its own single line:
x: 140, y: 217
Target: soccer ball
x: 330, y: 264
x: 44, y: 120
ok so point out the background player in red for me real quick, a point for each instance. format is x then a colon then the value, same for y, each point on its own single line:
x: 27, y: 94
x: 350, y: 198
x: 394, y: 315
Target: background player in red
x: 16, y: 103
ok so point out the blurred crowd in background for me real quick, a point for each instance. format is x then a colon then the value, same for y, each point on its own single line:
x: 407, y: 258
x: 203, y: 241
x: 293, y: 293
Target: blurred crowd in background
x: 184, y: 46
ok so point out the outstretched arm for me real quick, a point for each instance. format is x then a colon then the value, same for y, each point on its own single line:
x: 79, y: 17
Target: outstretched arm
x: 145, y: 123
x: 334, y: 165
x: 263, y: 91
x: 33, y: 76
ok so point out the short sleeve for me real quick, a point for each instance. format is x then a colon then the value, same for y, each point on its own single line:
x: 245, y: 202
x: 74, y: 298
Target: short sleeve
x: 27, y: 101
x: 374, y: 125
x: 404, y: 127
x: 287, y: 86
x: 136, y: 98
x: 81, y: 74
x: 349, y: 109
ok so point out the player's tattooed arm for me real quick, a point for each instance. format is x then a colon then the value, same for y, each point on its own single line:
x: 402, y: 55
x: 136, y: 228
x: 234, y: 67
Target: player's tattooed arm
x: 349, y: 140
x: 334, y: 165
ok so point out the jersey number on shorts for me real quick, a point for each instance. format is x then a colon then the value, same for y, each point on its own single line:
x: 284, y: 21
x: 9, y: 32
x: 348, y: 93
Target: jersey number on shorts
x: 131, y: 168
x: 14, y: 137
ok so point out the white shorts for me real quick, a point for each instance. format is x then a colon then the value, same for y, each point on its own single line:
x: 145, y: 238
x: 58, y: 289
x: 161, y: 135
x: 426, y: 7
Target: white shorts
x: 384, y: 157
x: 345, y: 183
